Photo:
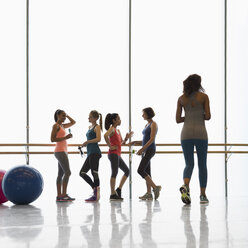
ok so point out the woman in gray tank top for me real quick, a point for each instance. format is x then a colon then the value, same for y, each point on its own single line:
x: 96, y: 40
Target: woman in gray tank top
x: 194, y: 134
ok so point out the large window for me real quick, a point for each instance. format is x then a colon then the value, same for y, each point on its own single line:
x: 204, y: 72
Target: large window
x: 79, y: 54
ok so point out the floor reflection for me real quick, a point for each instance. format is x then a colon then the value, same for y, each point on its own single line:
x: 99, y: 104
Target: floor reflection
x: 63, y: 223
x: 119, y: 229
x: 21, y: 223
x: 188, y: 230
x: 146, y: 226
x: 90, y: 230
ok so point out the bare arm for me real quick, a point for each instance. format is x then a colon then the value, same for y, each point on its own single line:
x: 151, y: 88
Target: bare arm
x: 97, y: 139
x: 71, y: 123
x: 151, y: 140
x: 128, y: 136
x: 179, y: 118
x: 135, y: 143
x: 207, y: 114
x: 54, y: 133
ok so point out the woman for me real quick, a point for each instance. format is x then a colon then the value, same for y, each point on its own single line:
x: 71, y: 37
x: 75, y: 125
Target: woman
x: 148, y: 151
x: 59, y: 136
x: 196, y: 106
x: 114, y: 141
x: 93, y: 155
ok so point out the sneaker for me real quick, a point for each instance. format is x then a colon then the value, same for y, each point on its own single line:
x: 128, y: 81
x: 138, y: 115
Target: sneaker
x: 185, y: 194
x: 93, y: 198
x: 146, y: 196
x: 59, y: 199
x: 156, y: 192
x: 115, y: 197
x: 118, y: 191
x: 204, y: 199
x: 68, y: 198
x: 97, y: 193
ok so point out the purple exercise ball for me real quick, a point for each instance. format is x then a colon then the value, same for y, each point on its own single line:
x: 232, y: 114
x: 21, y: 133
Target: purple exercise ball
x: 3, y: 198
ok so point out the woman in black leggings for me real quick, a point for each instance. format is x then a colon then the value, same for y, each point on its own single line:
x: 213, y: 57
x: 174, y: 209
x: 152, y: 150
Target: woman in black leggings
x: 148, y: 151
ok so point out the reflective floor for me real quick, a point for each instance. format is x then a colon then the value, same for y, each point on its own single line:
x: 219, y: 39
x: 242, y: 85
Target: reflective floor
x: 163, y: 223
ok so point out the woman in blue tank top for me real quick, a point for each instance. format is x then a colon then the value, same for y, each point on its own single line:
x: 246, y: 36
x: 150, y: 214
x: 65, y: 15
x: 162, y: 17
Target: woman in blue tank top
x: 93, y: 155
x: 148, y: 151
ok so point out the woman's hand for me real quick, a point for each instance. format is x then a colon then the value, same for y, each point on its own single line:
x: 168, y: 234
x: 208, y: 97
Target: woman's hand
x: 113, y: 148
x: 85, y: 143
x: 140, y: 151
x: 68, y: 136
x: 129, y: 135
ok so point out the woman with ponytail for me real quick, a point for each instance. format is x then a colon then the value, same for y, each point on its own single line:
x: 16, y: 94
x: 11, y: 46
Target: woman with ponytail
x: 59, y: 136
x: 114, y: 141
x: 93, y: 155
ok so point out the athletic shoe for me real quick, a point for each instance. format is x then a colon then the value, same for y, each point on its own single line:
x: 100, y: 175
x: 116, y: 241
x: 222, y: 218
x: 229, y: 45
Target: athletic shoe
x: 64, y: 199
x: 97, y: 193
x: 68, y: 198
x: 59, y: 199
x: 115, y: 197
x: 93, y: 198
x: 118, y: 191
x: 185, y: 195
x: 156, y: 192
x: 204, y: 199
x: 146, y: 196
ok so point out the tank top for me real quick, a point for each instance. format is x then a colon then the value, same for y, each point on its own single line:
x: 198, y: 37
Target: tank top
x: 194, y: 123
x: 115, y: 140
x: 61, y: 146
x: 92, y: 147
x: 146, y: 136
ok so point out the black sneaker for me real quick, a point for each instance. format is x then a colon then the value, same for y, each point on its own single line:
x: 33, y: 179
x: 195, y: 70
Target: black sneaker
x: 115, y: 197
x: 118, y: 191
x: 185, y: 195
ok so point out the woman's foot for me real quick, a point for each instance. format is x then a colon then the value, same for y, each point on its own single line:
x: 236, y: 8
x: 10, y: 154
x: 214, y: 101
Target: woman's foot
x: 118, y: 191
x: 204, y: 199
x: 185, y: 195
x: 146, y: 196
x: 115, y: 197
x: 91, y: 199
x: 97, y: 193
x: 65, y: 198
x: 156, y: 192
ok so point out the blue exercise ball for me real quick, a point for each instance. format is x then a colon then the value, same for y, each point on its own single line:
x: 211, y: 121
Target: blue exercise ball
x: 22, y: 184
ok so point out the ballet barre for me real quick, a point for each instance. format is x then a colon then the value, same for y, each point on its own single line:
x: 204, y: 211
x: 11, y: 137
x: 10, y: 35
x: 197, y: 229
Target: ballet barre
x: 123, y: 152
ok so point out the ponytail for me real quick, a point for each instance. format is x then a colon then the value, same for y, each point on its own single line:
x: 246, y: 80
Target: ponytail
x: 109, y: 120
x: 97, y: 115
x: 57, y: 112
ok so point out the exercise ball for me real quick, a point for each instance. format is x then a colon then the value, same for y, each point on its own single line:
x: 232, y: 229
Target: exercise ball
x: 3, y: 198
x: 22, y: 184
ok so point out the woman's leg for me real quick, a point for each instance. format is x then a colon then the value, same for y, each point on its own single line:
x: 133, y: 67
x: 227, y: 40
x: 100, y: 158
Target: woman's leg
x: 94, y: 165
x: 202, y: 149
x: 188, y: 152
x: 125, y: 169
x: 114, y: 160
x: 84, y: 170
x: 145, y: 171
x: 64, y: 163
x: 59, y: 181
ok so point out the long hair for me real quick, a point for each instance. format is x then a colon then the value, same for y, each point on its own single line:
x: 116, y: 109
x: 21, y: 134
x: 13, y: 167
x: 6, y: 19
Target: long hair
x: 97, y: 115
x: 109, y: 120
x: 192, y: 84
x: 57, y: 112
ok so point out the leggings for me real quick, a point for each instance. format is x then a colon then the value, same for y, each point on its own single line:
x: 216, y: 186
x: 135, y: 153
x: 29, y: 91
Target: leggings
x: 91, y: 163
x: 63, y: 166
x: 201, y: 150
x: 117, y: 162
x: 145, y: 164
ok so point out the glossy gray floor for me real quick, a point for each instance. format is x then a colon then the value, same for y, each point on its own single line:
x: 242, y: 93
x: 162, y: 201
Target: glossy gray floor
x: 163, y: 223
